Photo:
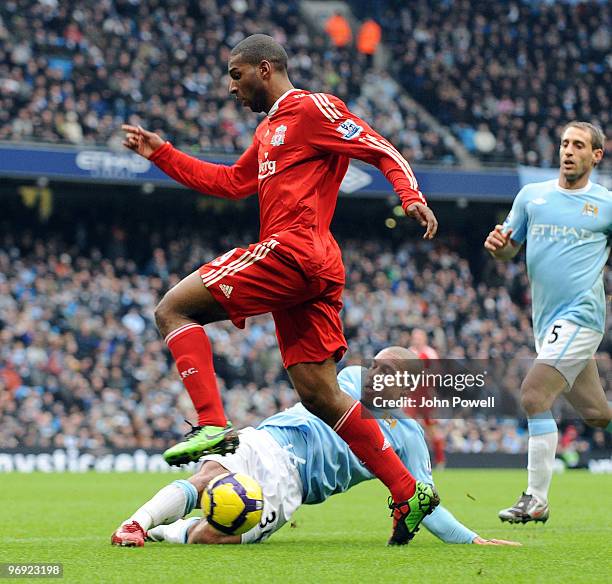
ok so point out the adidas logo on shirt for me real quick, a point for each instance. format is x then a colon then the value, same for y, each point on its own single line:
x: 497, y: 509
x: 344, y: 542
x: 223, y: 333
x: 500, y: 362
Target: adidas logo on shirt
x: 227, y: 290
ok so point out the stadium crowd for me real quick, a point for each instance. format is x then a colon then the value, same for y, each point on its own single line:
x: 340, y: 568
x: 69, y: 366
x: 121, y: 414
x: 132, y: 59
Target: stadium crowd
x: 82, y: 365
x: 504, y: 76
x: 75, y: 71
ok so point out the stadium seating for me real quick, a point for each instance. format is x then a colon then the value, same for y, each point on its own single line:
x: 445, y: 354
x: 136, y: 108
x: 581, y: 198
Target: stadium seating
x: 74, y: 71
x: 504, y: 76
x: 81, y: 363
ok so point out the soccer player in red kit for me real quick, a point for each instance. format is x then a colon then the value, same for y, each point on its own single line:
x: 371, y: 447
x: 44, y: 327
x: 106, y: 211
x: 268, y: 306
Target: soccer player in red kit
x: 298, y: 158
x: 433, y: 433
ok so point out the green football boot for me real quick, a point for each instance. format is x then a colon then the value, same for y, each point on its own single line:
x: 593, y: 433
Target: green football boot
x: 203, y: 440
x: 407, y: 515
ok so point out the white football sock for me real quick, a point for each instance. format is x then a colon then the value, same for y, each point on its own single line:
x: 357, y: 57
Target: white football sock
x: 169, y: 504
x: 176, y: 532
x: 540, y: 463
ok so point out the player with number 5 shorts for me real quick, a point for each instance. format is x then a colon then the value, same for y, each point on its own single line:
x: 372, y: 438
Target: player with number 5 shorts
x: 566, y: 223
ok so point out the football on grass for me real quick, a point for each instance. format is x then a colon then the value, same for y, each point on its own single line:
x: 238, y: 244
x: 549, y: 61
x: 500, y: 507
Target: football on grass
x: 233, y: 503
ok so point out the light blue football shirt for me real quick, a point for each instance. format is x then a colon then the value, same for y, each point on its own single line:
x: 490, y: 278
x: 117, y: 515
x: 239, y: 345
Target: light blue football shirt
x: 567, y: 234
x: 327, y: 465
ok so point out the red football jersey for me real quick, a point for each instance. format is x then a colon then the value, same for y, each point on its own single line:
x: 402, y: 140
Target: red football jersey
x: 426, y: 354
x: 298, y: 158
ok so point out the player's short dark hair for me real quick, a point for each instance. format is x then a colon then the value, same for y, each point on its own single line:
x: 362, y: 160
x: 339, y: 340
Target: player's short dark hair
x: 260, y: 47
x: 597, y: 136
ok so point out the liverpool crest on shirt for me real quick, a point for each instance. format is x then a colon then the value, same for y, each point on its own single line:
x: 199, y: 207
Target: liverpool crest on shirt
x: 279, y: 136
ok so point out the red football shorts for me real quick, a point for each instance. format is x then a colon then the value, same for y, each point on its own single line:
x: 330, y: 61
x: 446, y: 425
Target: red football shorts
x: 306, y: 311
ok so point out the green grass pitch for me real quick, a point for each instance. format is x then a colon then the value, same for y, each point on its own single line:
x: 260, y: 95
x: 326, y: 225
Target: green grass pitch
x: 69, y: 518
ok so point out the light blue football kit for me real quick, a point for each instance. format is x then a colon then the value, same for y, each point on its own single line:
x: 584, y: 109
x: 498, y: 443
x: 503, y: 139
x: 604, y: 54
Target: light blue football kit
x: 298, y: 459
x: 327, y: 465
x: 567, y: 234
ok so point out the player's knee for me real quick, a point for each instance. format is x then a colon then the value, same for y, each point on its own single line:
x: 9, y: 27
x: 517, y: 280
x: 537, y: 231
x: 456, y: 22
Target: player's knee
x: 596, y: 418
x: 312, y: 401
x: 199, y: 481
x: 164, y: 314
x: 531, y: 401
x: 318, y: 389
x: 324, y: 405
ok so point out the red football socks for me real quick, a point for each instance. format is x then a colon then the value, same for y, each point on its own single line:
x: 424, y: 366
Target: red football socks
x: 365, y: 438
x: 192, y: 353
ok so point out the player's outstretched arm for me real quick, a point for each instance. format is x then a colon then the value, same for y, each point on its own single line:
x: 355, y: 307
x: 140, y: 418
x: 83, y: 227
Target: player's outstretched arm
x: 229, y: 182
x: 141, y: 141
x: 330, y: 127
x: 445, y: 526
x: 500, y: 245
x: 481, y: 541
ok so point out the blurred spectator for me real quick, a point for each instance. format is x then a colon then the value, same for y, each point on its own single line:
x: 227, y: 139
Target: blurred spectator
x: 70, y: 128
x: 484, y: 140
x: 339, y: 30
x: 368, y: 39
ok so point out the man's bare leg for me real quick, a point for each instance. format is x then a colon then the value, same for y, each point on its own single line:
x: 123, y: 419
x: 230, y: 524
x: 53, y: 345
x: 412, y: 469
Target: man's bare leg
x: 168, y: 505
x: 589, y: 399
x: 317, y: 386
x: 539, y: 390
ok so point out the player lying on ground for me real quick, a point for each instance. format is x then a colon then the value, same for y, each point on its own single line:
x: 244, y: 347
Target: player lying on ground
x: 297, y: 459
x: 566, y: 223
x: 296, y: 163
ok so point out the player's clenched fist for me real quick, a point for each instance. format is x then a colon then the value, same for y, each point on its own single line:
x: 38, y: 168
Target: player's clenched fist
x: 140, y: 140
x: 497, y: 239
